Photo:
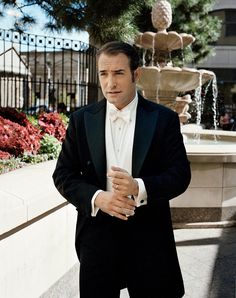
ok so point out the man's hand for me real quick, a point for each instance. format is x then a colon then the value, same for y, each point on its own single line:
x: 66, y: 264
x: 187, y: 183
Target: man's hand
x: 122, y: 182
x: 115, y: 205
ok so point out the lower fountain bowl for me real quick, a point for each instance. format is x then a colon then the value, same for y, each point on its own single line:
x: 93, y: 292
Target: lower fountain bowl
x: 210, y: 199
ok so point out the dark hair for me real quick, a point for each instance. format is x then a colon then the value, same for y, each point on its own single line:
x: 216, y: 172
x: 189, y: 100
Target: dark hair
x: 118, y: 47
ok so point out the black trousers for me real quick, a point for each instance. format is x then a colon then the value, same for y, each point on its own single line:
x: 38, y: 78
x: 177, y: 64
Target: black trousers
x: 110, y: 261
x: 108, y: 292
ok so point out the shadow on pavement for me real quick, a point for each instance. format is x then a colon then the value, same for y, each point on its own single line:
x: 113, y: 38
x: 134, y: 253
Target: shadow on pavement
x: 208, y: 261
x: 223, y: 281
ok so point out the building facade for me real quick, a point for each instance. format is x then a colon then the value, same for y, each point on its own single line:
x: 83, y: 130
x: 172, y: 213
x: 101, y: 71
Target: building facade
x: 43, y: 72
x: 223, y: 62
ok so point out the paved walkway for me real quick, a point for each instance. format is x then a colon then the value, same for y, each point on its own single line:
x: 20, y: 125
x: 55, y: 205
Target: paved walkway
x: 208, y: 262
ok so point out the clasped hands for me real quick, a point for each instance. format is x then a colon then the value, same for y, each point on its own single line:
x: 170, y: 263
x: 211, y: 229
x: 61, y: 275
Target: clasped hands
x: 118, y: 202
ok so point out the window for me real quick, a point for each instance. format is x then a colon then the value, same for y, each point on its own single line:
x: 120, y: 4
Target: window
x: 230, y: 22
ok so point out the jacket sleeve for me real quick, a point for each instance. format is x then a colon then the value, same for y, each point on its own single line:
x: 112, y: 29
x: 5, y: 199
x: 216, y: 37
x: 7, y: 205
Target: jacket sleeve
x: 172, y: 173
x: 73, y: 176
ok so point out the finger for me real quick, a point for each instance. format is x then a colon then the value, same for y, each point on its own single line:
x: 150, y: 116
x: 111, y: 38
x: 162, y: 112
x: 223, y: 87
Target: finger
x: 128, y: 212
x: 126, y: 202
x: 120, y: 216
x: 117, y: 172
x: 116, y: 175
x: 120, y: 189
x: 121, y: 211
x: 120, y: 192
x: 116, y: 186
x: 118, y: 169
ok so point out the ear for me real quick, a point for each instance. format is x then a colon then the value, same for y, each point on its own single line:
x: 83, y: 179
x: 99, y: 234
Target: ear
x: 137, y: 74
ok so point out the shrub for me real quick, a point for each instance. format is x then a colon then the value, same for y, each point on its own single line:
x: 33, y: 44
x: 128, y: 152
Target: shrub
x: 10, y: 164
x: 14, y: 116
x: 26, y: 139
x: 34, y: 158
x: 4, y: 155
x: 52, y: 124
x: 50, y: 145
x: 33, y: 119
x: 16, y: 139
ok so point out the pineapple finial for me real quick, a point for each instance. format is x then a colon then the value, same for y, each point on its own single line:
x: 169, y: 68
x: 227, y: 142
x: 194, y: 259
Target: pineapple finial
x: 161, y: 15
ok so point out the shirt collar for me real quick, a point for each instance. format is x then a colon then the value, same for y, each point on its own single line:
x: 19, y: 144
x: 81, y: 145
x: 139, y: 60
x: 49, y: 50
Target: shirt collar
x: 130, y: 107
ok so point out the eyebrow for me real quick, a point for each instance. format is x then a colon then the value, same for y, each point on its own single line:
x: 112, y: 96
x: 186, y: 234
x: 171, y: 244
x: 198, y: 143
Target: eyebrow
x: 115, y: 71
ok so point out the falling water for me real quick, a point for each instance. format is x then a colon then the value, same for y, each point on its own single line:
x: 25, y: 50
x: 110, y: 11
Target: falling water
x: 215, y: 94
x: 153, y: 51
x: 205, y: 93
x: 144, y: 55
x: 170, y: 58
x: 182, y: 50
x: 191, y: 55
x: 196, y: 138
x: 197, y: 96
x: 182, y: 56
x: 201, y: 100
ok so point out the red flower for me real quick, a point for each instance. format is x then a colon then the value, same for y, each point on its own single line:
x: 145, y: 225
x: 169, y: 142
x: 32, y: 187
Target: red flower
x: 16, y: 139
x: 5, y: 155
x: 52, y: 124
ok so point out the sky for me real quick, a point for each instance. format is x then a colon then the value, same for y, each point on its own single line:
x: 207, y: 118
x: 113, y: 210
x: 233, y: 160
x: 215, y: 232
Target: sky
x: 10, y: 15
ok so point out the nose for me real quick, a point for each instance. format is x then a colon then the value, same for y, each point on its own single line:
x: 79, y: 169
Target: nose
x: 111, y: 82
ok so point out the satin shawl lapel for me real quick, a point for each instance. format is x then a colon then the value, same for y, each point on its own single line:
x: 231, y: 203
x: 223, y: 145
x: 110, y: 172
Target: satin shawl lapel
x: 146, y: 119
x: 95, y: 130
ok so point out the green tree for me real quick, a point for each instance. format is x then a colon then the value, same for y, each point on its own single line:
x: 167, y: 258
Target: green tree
x: 104, y: 20
x: 193, y: 17
x: 122, y: 19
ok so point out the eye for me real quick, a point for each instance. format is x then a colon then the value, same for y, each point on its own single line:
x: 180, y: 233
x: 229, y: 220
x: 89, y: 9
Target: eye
x: 120, y: 73
x: 101, y: 74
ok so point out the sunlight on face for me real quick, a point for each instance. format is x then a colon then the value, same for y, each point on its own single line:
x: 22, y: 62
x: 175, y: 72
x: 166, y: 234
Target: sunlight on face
x: 117, y: 81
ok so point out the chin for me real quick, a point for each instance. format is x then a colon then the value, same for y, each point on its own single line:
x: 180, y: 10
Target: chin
x: 113, y: 100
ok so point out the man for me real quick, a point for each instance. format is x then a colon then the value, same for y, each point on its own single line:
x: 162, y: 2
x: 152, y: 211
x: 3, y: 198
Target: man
x: 123, y: 159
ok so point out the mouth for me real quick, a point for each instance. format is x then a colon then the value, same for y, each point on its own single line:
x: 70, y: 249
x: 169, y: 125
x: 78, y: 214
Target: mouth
x: 113, y: 92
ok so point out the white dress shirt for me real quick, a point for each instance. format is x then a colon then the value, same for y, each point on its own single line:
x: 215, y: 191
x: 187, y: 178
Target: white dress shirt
x: 119, y: 134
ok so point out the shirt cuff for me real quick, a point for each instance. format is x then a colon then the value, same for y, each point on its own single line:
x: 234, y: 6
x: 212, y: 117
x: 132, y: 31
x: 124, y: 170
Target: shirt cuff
x: 141, y: 198
x: 93, y: 207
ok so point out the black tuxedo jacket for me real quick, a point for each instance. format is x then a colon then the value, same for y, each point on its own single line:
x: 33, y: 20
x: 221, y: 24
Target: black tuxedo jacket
x: 159, y: 159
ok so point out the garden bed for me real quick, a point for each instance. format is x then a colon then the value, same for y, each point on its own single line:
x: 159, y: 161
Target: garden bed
x: 28, y: 139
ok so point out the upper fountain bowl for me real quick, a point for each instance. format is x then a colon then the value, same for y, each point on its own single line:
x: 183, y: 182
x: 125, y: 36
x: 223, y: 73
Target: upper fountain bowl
x: 164, y: 41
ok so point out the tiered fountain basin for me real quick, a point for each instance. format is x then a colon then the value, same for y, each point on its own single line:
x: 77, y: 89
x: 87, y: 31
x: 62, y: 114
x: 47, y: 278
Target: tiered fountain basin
x: 155, y: 81
x: 163, y: 40
x: 210, y: 199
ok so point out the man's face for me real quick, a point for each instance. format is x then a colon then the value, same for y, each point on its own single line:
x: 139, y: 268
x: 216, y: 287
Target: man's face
x: 117, y: 82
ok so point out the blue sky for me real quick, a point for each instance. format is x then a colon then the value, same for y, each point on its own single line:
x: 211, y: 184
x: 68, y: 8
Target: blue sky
x: 10, y: 15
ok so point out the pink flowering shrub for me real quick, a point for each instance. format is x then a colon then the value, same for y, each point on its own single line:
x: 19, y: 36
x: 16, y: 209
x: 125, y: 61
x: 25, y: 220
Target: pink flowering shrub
x: 4, y: 155
x: 17, y: 139
x: 25, y: 139
x: 52, y: 124
x: 13, y: 115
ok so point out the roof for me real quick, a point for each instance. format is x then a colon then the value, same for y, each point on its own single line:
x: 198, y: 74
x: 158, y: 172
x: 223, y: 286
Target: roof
x: 226, y: 4
x: 12, y: 62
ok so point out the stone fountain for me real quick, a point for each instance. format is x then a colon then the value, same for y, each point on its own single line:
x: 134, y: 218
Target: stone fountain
x: 160, y: 80
x: 211, y: 197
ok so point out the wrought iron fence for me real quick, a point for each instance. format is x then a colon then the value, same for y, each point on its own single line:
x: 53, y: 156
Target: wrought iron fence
x: 46, y: 73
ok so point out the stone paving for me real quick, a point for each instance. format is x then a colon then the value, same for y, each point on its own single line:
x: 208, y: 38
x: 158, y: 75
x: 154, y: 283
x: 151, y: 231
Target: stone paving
x: 208, y: 262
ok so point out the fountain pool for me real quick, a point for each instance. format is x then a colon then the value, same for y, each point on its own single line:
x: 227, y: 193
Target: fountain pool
x: 210, y: 199
x: 201, y: 141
